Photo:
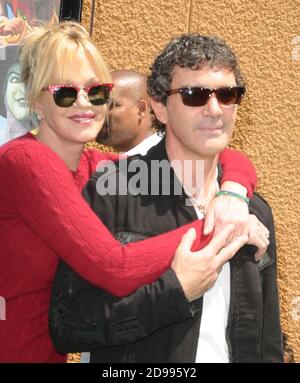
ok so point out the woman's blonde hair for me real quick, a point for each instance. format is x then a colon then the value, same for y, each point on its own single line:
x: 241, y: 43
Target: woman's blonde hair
x: 51, y: 53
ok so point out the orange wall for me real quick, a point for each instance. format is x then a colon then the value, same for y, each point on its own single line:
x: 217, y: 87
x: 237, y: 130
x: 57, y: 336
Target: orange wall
x: 264, y: 35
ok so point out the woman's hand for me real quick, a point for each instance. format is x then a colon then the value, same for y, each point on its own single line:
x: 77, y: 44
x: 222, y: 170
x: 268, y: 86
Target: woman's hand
x: 258, y: 236
x: 198, y: 271
x: 224, y: 210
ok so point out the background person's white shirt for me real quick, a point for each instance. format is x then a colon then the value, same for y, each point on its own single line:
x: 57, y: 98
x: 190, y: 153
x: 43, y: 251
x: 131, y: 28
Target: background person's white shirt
x: 143, y: 147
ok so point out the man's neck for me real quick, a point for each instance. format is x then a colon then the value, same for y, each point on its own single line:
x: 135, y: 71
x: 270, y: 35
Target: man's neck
x: 197, y: 174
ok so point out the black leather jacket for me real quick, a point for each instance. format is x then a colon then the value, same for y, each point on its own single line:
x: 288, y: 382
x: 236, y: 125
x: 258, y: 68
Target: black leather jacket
x: 156, y: 323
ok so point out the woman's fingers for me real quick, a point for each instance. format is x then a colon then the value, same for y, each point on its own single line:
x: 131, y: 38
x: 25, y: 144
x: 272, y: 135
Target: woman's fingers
x: 226, y: 253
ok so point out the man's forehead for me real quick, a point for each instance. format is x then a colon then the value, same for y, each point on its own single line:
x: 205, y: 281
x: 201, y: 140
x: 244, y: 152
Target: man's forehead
x: 205, y: 68
x: 186, y: 74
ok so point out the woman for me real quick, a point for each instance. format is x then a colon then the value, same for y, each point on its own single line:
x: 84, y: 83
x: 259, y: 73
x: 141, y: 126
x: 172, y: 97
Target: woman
x: 42, y: 215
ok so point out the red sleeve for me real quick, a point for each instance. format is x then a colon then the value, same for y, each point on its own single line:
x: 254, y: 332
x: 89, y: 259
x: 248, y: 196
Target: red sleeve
x: 95, y: 157
x: 40, y: 189
x: 238, y: 168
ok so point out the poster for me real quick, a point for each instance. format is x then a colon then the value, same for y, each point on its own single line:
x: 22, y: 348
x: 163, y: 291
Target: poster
x: 17, y: 18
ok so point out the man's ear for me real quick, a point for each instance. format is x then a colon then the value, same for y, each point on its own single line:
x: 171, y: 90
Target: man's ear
x: 142, y: 107
x: 160, y: 111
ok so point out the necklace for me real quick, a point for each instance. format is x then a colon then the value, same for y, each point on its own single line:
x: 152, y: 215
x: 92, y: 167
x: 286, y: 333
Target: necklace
x: 202, y: 203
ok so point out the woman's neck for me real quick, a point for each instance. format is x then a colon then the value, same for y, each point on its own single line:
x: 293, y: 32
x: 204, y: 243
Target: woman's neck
x: 69, y: 152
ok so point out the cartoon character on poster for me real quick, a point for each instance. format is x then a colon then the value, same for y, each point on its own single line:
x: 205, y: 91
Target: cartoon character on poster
x: 16, y: 19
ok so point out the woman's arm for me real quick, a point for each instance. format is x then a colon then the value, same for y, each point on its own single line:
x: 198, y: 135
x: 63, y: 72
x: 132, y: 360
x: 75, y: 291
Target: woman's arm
x: 238, y: 176
x: 238, y: 168
x: 38, y: 187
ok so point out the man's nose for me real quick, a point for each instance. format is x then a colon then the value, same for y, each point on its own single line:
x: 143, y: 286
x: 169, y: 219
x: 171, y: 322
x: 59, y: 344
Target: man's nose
x: 212, y: 107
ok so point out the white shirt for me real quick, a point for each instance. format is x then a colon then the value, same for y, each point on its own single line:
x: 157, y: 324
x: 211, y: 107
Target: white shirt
x: 212, y: 346
x: 143, y: 147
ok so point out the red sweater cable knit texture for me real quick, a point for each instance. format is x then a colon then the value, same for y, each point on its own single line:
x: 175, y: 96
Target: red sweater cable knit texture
x: 43, y: 217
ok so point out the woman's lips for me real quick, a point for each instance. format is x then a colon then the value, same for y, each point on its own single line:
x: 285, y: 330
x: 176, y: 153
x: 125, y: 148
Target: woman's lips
x: 83, y: 118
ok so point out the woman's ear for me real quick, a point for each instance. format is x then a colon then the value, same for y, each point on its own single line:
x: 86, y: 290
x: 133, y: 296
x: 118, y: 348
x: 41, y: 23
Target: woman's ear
x: 38, y: 110
x: 160, y: 111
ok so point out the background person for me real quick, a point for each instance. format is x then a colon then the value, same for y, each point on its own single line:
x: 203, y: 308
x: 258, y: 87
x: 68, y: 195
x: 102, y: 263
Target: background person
x: 129, y: 127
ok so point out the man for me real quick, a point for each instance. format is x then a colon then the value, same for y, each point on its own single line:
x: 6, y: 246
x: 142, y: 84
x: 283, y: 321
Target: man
x: 195, y: 87
x: 129, y: 127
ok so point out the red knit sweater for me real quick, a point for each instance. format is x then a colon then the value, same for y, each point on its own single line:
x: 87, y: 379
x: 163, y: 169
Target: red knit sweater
x: 43, y: 217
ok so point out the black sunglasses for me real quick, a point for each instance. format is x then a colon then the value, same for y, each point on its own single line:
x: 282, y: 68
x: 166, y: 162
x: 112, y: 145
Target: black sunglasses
x: 195, y: 96
x: 65, y: 95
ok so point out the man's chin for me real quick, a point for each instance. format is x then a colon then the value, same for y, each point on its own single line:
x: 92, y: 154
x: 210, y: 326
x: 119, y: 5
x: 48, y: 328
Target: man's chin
x: 215, y: 146
x: 210, y: 151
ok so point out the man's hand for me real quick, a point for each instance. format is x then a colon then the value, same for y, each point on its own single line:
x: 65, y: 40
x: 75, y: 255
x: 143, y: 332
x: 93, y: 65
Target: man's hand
x: 198, y: 271
x: 258, y: 236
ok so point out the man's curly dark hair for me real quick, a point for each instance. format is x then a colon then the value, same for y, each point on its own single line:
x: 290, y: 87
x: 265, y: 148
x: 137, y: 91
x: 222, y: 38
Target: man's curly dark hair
x: 192, y: 51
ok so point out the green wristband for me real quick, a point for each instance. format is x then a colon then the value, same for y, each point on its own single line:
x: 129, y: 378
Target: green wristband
x: 232, y: 194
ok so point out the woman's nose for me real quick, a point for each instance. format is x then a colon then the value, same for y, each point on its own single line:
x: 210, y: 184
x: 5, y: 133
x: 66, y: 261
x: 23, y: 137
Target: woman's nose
x: 82, y: 99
